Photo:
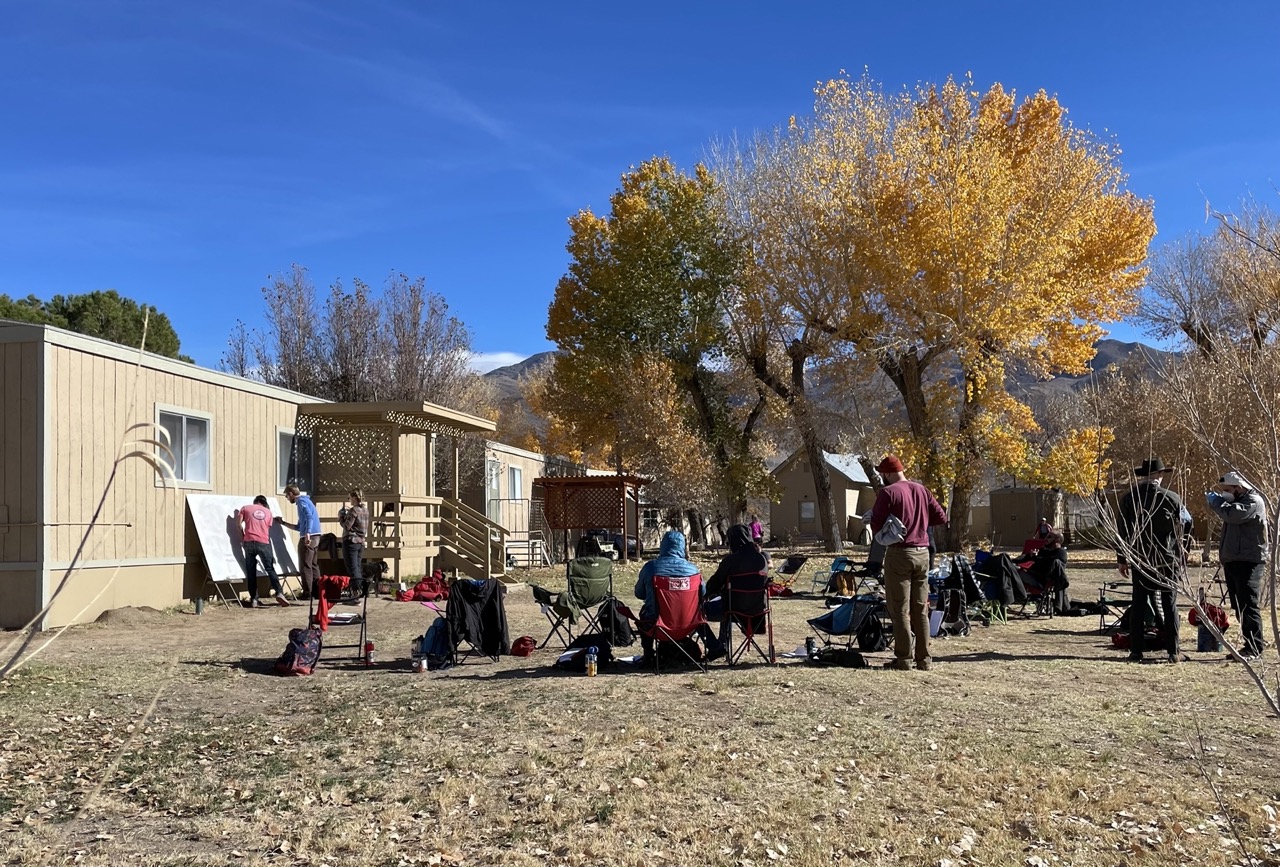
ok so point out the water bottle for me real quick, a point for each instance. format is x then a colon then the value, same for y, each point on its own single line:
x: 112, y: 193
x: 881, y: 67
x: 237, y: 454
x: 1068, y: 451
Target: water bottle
x: 591, y: 662
x: 811, y: 648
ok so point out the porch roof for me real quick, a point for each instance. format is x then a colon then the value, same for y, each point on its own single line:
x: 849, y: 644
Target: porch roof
x: 412, y: 415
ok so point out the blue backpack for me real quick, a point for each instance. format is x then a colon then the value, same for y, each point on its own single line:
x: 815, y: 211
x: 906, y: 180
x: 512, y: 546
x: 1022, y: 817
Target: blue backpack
x: 434, y: 646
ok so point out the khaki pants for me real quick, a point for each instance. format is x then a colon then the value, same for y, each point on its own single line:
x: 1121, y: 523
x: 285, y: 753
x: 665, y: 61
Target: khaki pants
x: 906, y: 591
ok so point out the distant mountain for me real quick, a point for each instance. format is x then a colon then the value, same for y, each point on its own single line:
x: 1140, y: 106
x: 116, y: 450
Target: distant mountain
x: 506, y: 380
x: 520, y: 368
x: 1035, y: 392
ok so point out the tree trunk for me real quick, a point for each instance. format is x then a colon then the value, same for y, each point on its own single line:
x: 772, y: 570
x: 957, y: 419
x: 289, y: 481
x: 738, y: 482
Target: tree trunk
x: 793, y: 392
x: 801, y: 411
x: 727, y: 446
x: 695, y: 528
x: 906, y: 372
x: 966, y: 475
x: 832, y: 531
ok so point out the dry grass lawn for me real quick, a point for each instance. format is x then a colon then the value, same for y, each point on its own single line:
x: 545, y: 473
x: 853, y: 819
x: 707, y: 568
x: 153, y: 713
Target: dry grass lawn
x: 164, y: 739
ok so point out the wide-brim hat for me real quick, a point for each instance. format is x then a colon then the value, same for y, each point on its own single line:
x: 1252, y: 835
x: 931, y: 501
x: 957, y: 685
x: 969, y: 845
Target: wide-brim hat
x: 1151, y: 467
x: 1234, y: 479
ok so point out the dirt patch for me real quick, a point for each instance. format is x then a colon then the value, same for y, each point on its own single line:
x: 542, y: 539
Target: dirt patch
x: 142, y: 615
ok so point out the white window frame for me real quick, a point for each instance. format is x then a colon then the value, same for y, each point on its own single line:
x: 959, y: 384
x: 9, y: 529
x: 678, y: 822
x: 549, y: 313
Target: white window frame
x: 282, y: 431
x: 187, y: 412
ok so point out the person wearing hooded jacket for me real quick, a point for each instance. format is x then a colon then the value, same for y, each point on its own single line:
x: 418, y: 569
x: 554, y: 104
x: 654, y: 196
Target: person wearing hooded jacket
x: 1242, y: 552
x: 670, y: 562
x: 744, y: 558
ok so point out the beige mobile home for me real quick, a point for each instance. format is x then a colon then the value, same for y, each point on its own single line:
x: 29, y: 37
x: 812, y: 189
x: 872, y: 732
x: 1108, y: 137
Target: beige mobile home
x: 796, y: 513
x: 71, y: 402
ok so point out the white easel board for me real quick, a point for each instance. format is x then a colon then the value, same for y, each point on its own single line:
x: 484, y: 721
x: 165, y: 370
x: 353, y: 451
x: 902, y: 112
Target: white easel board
x: 220, y: 536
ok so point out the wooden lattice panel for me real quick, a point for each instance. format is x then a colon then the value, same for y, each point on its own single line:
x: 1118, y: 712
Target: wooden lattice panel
x: 349, y: 457
x: 582, y: 508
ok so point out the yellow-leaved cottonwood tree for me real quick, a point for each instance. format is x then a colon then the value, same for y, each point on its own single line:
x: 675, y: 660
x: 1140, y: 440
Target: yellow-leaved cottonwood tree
x: 945, y: 236
x: 639, y: 322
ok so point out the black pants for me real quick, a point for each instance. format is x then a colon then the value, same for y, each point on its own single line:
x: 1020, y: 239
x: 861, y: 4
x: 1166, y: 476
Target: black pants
x: 1244, y: 586
x: 353, y: 554
x: 1145, y: 591
x: 261, y: 551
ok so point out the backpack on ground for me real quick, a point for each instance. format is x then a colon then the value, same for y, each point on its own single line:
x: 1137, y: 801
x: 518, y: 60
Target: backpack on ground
x: 615, y: 624
x: 839, y: 657
x: 301, y: 653
x: 575, y: 656
x: 872, y: 637
x: 434, y: 646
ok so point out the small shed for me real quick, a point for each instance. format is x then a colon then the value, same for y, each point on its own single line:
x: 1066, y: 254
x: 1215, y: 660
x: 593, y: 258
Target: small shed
x: 591, y: 502
x: 1015, y: 512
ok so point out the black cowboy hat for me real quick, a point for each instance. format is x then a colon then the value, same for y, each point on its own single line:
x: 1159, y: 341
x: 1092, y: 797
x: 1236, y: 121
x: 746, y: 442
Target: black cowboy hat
x: 1150, y: 467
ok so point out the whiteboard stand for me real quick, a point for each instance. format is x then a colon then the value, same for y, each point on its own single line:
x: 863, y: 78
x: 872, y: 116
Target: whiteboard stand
x: 220, y: 542
x: 227, y: 591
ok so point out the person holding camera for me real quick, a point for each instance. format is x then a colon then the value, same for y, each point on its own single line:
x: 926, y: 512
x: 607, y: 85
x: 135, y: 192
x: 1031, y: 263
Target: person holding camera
x: 1242, y: 553
x: 354, y: 518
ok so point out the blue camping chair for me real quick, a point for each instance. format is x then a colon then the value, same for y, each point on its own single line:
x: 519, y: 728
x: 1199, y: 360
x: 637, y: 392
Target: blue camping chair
x: 848, y: 621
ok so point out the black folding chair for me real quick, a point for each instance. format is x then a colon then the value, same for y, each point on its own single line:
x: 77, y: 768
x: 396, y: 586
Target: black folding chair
x: 477, y: 617
x: 1114, y: 599
x: 746, y: 600
x: 343, y: 620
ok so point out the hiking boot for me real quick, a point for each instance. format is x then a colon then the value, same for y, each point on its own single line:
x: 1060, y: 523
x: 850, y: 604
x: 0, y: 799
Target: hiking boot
x: 898, y: 665
x: 923, y: 665
x: 1134, y: 657
x: 281, y: 601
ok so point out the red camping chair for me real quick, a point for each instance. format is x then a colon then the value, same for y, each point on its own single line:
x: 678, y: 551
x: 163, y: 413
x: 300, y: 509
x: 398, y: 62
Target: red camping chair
x: 1032, y: 545
x: 679, y: 615
x: 747, y: 607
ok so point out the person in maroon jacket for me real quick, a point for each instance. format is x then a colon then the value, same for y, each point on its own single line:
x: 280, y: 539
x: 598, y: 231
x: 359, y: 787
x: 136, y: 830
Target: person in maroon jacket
x: 906, y: 562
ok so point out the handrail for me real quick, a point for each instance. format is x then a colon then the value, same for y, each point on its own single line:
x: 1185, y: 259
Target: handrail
x: 476, y: 538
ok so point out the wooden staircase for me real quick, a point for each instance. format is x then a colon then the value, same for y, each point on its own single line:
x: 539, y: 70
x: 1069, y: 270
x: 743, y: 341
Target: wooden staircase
x: 470, y: 543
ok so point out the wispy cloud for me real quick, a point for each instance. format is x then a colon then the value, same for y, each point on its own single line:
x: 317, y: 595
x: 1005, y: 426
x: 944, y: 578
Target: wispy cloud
x: 483, y: 362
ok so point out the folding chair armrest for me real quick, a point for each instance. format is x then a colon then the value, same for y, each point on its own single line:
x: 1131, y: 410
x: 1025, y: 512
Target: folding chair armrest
x: 543, y: 596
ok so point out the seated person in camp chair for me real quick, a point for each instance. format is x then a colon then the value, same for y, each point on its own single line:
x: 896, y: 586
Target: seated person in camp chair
x: 670, y: 563
x: 1046, y: 570
x: 744, y: 558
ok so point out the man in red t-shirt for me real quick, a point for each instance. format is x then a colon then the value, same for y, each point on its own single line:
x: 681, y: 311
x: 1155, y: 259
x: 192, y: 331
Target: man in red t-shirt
x: 906, y: 562
x: 255, y: 521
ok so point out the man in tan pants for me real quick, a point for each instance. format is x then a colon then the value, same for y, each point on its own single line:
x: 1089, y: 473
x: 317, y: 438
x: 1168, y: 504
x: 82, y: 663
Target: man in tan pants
x: 906, y: 561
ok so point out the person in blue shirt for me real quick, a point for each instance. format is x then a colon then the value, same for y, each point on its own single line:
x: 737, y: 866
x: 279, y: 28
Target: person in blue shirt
x: 308, y: 528
x: 670, y: 562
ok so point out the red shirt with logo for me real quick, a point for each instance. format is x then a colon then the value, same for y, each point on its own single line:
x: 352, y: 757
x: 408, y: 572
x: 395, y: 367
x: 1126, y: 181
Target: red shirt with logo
x: 256, y: 521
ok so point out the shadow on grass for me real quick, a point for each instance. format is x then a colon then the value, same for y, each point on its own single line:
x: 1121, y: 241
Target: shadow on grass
x: 1090, y: 631
x: 997, y: 656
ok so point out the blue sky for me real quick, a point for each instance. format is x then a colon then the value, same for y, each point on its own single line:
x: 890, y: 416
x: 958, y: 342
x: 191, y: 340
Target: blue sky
x: 181, y: 152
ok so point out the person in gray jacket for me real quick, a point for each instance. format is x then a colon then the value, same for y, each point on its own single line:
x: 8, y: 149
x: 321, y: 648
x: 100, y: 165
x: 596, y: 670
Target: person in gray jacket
x: 1242, y: 552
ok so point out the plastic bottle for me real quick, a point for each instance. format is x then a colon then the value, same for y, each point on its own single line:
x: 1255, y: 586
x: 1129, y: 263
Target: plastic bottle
x: 592, y: 662
x: 368, y: 653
